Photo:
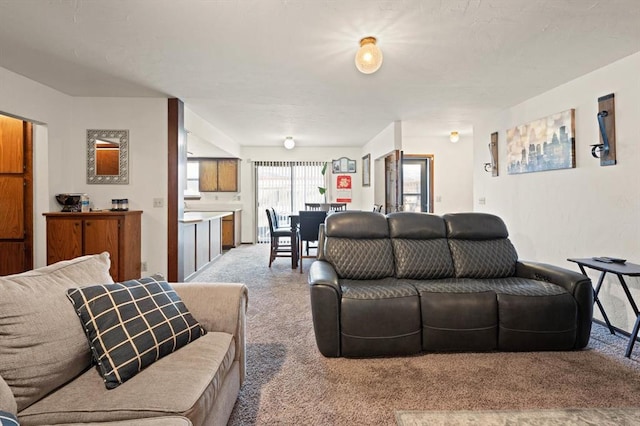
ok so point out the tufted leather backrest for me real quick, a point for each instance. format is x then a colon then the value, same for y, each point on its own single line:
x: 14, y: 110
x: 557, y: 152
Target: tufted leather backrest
x: 420, y: 246
x: 357, y: 244
x: 479, y: 246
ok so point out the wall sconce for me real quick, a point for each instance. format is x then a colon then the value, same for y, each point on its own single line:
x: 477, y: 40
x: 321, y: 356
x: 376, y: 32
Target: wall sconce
x: 493, y: 151
x: 289, y: 143
x: 369, y: 56
x: 606, y: 149
x: 454, y: 137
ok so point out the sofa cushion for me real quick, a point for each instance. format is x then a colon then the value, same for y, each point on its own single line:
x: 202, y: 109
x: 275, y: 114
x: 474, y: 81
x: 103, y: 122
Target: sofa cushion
x: 151, y: 421
x: 42, y: 345
x: 357, y: 245
x: 185, y: 383
x: 131, y: 325
x: 379, y: 317
x: 483, y: 258
x: 420, y: 247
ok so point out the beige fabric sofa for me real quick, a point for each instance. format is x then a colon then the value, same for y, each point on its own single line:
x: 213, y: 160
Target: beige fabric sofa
x: 46, y: 376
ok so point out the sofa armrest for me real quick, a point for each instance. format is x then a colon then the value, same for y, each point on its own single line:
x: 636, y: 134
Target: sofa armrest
x: 219, y: 307
x: 326, y: 296
x: 576, y: 284
x: 7, y: 400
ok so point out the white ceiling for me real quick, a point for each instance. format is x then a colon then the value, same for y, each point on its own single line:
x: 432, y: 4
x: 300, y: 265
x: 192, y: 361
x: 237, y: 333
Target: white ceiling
x: 260, y: 70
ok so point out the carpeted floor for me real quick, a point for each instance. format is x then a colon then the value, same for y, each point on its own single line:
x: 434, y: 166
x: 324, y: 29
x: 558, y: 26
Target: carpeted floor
x: 290, y: 383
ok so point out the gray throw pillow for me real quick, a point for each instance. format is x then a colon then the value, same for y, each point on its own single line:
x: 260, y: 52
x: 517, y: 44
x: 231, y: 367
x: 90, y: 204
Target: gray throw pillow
x: 131, y: 325
x: 8, y: 419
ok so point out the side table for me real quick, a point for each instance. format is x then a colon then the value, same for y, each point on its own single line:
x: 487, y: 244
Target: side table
x: 620, y: 270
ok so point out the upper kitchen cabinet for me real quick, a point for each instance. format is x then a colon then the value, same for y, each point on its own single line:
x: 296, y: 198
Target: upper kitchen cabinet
x: 218, y: 174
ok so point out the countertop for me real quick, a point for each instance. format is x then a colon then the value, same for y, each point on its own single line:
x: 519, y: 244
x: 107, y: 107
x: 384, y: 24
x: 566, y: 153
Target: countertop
x: 199, y: 216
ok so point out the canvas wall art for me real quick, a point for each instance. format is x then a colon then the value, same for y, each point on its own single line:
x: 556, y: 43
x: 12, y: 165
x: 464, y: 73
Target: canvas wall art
x: 544, y: 144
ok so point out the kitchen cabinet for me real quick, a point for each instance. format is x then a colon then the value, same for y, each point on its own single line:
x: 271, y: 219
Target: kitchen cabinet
x: 71, y: 235
x: 231, y: 226
x: 218, y: 174
x: 202, y: 239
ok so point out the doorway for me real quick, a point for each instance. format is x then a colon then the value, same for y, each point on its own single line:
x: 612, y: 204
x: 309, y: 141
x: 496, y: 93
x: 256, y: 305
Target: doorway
x: 417, y: 183
x: 16, y: 203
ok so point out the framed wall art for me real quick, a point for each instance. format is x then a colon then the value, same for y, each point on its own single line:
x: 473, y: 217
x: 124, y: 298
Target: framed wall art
x: 544, y: 144
x: 343, y: 165
x: 366, y: 170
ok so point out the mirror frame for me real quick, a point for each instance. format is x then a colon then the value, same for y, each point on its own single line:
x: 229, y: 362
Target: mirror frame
x: 123, y: 176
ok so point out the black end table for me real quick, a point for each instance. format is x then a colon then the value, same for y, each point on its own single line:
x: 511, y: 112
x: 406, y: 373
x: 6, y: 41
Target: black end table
x: 619, y: 269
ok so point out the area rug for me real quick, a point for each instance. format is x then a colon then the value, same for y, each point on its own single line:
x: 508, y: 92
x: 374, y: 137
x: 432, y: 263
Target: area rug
x: 569, y: 416
x: 290, y: 383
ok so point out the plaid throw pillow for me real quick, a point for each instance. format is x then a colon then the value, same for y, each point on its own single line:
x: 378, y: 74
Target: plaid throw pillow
x: 132, y: 324
x: 8, y: 419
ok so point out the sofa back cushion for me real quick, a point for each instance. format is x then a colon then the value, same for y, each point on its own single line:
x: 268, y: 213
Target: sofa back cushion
x: 42, y: 345
x: 420, y: 246
x: 479, y: 246
x: 357, y: 244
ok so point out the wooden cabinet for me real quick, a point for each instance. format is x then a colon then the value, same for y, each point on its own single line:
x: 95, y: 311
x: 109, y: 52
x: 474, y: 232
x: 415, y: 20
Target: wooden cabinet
x: 218, y: 174
x: 231, y: 230
x: 71, y: 235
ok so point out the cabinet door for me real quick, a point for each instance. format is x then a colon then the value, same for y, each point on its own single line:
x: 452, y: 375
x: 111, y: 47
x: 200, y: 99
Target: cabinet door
x: 64, y: 239
x: 227, y: 232
x: 102, y: 235
x: 228, y: 175
x: 208, y: 176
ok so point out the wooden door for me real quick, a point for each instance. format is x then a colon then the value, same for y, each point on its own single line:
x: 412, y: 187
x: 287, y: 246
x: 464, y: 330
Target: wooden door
x: 228, y: 228
x: 393, y: 182
x: 102, y: 235
x: 64, y: 239
x: 16, y: 187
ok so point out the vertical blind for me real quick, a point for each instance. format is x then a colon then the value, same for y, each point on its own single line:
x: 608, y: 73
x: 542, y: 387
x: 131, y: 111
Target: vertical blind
x: 285, y: 186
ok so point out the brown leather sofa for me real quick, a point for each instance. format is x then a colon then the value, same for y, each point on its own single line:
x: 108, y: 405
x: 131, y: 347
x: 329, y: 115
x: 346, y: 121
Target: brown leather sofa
x: 410, y: 282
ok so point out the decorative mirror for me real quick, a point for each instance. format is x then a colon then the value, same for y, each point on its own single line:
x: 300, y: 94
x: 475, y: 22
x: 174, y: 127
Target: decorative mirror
x: 108, y: 156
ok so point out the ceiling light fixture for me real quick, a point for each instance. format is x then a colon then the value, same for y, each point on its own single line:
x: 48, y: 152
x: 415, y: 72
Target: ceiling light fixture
x: 454, y: 137
x: 369, y: 56
x: 289, y: 143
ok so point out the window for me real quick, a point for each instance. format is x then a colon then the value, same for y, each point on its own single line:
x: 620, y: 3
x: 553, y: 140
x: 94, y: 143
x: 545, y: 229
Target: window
x: 193, y: 175
x: 285, y: 186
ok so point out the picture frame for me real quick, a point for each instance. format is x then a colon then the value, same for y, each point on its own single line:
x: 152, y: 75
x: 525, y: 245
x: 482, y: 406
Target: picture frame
x: 366, y: 170
x: 343, y: 165
x: 541, y: 145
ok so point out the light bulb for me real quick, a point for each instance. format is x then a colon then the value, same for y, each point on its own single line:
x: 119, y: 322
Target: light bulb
x: 454, y: 137
x: 289, y: 143
x: 369, y: 56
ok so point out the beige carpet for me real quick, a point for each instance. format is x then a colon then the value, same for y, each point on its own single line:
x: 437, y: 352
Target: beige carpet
x: 290, y: 383
x: 569, y: 416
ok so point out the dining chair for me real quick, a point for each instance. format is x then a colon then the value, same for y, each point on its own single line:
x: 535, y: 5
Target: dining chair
x: 279, y: 248
x: 338, y: 207
x: 312, y: 206
x: 309, y: 224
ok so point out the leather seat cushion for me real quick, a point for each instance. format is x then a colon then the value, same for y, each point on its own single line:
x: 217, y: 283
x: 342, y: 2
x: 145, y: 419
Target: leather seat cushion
x: 462, y: 320
x: 540, y: 322
x: 379, y: 317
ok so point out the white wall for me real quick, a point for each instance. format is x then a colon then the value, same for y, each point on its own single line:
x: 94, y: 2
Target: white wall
x: 388, y: 140
x: 452, y: 165
x: 146, y: 120
x: 582, y: 212
x: 60, y: 155
x: 26, y: 99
